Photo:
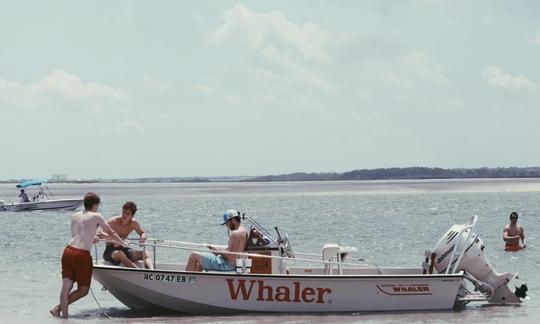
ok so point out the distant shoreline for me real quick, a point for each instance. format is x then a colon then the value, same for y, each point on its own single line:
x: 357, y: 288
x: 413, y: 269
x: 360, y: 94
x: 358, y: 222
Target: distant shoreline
x: 411, y: 173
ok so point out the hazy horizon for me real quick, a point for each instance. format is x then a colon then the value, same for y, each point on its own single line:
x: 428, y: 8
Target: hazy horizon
x: 65, y: 177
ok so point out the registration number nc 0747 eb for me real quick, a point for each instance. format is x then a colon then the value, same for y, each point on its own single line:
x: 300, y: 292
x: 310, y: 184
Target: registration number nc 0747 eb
x: 165, y: 277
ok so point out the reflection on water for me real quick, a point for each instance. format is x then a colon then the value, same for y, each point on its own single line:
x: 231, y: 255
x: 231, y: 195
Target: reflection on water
x: 391, y: 223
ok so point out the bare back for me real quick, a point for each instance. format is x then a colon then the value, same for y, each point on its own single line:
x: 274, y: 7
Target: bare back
x: 237, y: 243
x: 84, y: 225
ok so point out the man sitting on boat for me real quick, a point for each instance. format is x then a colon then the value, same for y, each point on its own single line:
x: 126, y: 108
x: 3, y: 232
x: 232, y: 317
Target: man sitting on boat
x: 513, y: 233
x: 124, y: 224
x: 220, y: 260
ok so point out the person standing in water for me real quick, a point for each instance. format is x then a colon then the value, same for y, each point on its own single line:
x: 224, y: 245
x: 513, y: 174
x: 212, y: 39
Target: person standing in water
x: 76, y: 259
x: 513, y: 233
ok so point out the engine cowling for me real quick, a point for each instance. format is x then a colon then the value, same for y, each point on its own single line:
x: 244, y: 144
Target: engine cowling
x: 462, y: 240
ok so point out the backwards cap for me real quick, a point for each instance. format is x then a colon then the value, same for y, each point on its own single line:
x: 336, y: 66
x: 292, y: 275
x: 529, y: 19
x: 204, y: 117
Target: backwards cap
x: 229, y: 214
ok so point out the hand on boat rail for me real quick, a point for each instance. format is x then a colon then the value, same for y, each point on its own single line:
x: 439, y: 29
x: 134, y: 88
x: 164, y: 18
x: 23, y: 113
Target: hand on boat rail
x: 112, y: 241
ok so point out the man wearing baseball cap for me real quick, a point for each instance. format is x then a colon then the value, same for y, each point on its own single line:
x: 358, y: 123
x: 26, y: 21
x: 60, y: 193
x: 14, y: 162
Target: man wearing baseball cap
x: 220, y: 260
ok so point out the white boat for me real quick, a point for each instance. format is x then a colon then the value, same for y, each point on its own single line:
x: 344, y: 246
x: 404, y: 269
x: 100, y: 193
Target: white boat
x: 41, y: 199
x: 455, y: 273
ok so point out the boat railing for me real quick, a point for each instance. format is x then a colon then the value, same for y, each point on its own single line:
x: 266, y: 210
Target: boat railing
x: 154, y: 244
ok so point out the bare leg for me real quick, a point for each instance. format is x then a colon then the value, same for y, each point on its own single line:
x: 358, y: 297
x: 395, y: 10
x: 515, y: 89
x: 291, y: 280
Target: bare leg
x: 194, y: 262
x: 67, y: 298
x: 67, y: 285
x: 148, y: 262
x: 121, y: 256
x: 146, y: 257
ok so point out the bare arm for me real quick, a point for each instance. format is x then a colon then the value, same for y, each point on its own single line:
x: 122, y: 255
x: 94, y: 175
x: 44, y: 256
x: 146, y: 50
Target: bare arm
x: 137, y: 227
x: 510, y: 239
x: 109, y: 231
x: 506, y: 238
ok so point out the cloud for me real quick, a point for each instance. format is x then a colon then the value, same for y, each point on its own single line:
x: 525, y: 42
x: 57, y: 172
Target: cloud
x: 496, y: 78
x: 408, y: 71
x: 486, y: 19
x: 127, y: 125
x: 198, y: 19
x: 418, y: 66
x: 204, y: 90
x: 153, y: 83
x: 456, y: 102
x: 201, y: 88
x: 263, y: 30
x: 61, y: 85
x: 59, y: 90
x: 233, y: 99
x: 299, y: 51
x: 536, y: 39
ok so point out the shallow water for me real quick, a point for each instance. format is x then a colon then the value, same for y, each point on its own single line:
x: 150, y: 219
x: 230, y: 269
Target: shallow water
x: 391, y: 223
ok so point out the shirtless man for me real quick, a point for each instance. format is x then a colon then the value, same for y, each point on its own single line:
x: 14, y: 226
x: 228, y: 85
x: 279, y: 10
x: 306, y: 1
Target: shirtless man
x: 123, y: 225
x: 219, y: 259
x: 513, y: 233
x: 76, y: 259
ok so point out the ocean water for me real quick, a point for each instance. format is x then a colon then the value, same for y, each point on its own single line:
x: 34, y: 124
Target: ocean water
x: 390, y: 222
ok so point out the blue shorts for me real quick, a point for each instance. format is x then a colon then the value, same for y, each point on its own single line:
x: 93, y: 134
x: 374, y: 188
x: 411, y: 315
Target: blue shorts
x: 210, y: 261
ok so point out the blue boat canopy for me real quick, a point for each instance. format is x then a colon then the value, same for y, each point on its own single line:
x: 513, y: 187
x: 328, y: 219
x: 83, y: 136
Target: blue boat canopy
x: 29, y: 183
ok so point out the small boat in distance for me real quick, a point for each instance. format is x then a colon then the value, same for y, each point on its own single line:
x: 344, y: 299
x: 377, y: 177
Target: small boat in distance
x: 41, y: 199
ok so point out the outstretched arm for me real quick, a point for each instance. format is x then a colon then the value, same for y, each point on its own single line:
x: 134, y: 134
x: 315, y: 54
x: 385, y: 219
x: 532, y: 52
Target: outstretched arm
x: 110, y: 232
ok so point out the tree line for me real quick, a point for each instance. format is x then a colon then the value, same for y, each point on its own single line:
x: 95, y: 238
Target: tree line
x: 406, y: 173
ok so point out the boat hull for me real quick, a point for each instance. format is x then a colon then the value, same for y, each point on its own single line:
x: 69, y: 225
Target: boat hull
x: 223, y: 293
x: 53, y: 204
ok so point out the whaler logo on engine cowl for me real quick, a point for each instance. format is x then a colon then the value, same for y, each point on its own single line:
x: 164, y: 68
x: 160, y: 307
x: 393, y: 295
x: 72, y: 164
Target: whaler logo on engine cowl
x: 260, y: 291
x: 405, y: 290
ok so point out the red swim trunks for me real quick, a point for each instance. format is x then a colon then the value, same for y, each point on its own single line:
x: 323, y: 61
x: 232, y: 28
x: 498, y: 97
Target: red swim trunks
x: 512, y: 248
x: 77, y: 265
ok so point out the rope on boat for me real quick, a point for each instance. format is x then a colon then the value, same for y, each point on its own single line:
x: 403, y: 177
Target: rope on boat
x: 102, y: 310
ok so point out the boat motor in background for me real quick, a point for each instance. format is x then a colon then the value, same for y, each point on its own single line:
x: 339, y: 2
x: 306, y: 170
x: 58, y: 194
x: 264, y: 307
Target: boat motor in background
x: 461, y: 249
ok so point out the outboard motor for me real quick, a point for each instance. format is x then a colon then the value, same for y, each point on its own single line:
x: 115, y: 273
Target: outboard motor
x: 461, y: 249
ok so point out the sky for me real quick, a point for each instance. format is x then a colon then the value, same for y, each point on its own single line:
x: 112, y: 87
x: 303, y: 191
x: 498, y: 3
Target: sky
x: 124, y: 89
